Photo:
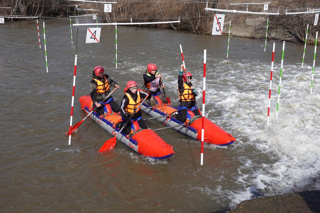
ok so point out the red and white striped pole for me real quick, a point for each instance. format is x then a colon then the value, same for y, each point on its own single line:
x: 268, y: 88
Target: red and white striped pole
x: 73, y: 88
x: 184, y: 64
x: 274, y: 46
x: 203, y: 101
x: 38, y: 33
x: 73, y: 91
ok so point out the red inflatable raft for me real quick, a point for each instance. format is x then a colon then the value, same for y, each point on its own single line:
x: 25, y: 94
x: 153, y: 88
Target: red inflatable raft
x: 192, y: 127
x: 143, y: 141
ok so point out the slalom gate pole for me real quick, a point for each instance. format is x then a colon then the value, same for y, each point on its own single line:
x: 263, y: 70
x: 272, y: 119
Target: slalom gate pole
x: 203, y: 102
x: 116, y: 40
x: 283, y: 47
x: 71, y: 31
x: 45, y: 45
x: 274, y: 46
x: 38, y: 33
x: 73, y: 87
x: 305, y: 46
x: 11, y: 14
x: 265, y: 43
x: 228, y: 40
x: 184, y: 64
x: 97, y: 21
x: 314, y: 60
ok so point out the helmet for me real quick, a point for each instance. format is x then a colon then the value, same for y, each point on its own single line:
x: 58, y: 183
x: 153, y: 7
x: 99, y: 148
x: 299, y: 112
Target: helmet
x: 98, y: 70
x: 184, y: 77
x: 130, y: 84
x: 151, y: 67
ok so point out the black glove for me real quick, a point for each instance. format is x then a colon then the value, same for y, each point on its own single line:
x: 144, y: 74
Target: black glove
x: 128, y: 117
x: 195, y: 93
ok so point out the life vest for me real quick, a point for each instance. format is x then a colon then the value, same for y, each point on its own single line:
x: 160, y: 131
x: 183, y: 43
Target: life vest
x: 152, y: 85
x: 102, y: 88
x: 132, y: 105
x: 187, y: 94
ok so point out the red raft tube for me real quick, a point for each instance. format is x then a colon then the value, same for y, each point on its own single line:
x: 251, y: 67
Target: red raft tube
x: 192, y: 127
x: 143, y: 141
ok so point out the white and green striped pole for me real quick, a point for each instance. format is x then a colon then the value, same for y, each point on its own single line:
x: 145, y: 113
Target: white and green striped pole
x: 305, y: 45
x: 97, y: 21
x: 278, y: 103
x: 71, y: 31
x: 314, y: 60
x: 228, y: 40
x: 265, y: 43
x: 45, y: 45
x: 116, y: 40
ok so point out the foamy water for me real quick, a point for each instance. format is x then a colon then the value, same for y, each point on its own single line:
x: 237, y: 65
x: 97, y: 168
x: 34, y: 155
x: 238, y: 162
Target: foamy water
x: 237, y: 96
x: 291, y: 142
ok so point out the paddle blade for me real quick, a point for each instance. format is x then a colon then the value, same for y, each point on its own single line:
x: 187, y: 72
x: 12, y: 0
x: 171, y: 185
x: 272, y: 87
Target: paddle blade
x: 109, y: 144
x: 168, y: 100
x: 75, y: 127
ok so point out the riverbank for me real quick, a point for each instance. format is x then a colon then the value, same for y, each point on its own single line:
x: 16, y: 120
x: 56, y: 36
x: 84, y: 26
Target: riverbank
x: 306, y: 201
x: 193, y: 16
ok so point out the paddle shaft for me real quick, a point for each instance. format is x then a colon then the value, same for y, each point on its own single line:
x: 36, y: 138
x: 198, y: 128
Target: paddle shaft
x: 110, y: 143
x: 157, y: 117
x: 79, y: 123
x: 95, y: 107
x: 131, y: 116
x: 168, y: 127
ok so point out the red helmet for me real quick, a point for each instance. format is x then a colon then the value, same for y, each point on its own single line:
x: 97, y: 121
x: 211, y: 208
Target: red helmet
x: 151, y: 67
x: 130, y: 84
x: 184, y: 77
x: 98, y: 70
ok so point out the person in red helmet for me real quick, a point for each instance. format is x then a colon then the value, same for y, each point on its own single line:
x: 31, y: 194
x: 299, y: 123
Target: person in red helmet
x: 187, y: 96
x: 100, y: 88
x: 153, y: 83
x: 130, y: 102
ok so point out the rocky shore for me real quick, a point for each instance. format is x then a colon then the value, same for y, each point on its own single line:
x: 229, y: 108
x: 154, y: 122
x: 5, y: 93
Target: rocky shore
x: 306, y: 201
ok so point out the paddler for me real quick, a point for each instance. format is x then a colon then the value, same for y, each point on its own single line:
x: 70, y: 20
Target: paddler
x: 152, y: 84
x: 187, y: 96
x: 100, y: 88
x: 129, y: 107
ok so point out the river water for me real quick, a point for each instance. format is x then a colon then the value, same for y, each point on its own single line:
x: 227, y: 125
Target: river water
x: 40, y: 172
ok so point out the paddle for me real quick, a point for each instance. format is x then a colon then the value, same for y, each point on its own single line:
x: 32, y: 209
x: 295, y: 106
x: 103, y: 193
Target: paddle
x: 76, y: 126
x: 111, y: 143
x: 168, y: 127
x: 157, y: 117
x: 167, y: 98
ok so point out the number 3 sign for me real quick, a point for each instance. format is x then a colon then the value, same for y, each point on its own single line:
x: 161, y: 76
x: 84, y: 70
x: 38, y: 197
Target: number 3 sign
x: 93, y: 35
x: 107, y: 8
x: 218, y: 21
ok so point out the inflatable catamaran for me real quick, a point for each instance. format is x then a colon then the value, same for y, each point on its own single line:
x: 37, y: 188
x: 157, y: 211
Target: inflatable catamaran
x: 192, y: 127
x: 143, y: 141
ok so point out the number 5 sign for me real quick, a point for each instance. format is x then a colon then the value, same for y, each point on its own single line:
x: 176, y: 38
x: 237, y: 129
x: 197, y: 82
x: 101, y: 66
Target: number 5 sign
x: 218, y: 21
x: 93, y: 35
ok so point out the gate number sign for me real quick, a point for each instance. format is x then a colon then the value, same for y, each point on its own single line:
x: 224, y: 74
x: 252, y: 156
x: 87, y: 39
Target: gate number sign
x: 93, y: 35
x: 218, y: 21
x: 107, y: 8
x: 316, y: 19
